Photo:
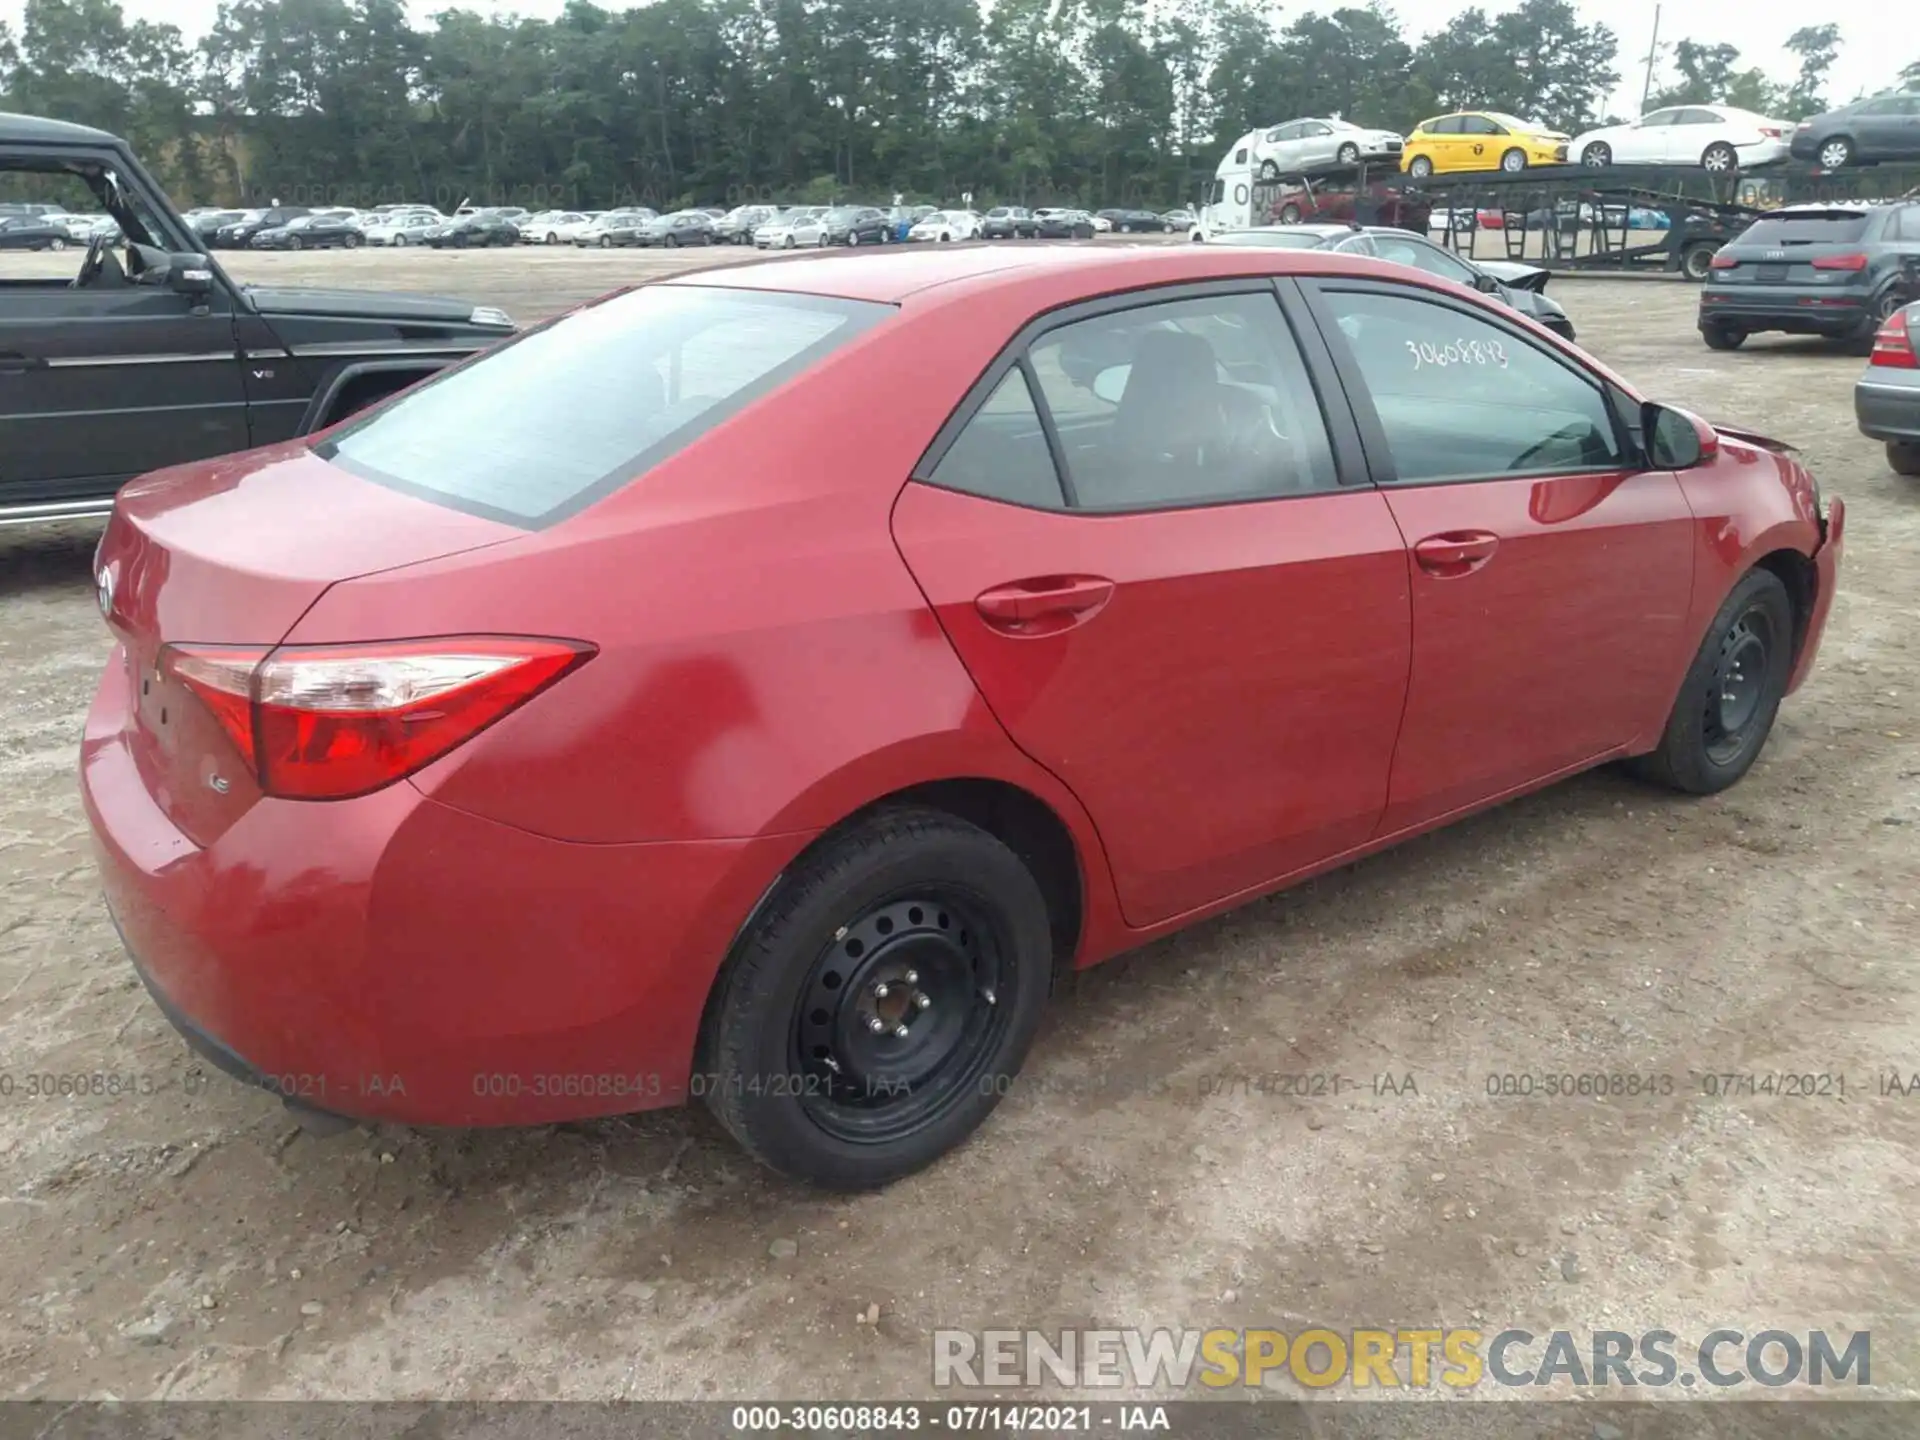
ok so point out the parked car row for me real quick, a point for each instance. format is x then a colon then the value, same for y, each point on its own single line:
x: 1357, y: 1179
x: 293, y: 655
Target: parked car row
x: 32, y: 226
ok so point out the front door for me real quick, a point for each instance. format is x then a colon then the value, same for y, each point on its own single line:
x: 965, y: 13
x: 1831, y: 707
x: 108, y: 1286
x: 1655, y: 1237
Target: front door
x: 106, y: 379
x: 1551, y: 575
x: 1140, y: 547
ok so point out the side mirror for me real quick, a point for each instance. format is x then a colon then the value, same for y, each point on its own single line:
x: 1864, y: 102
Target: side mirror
x: 1111, y: 383
x: 189, y: 274
x: 1485, y: 283
x: 1677, y: 439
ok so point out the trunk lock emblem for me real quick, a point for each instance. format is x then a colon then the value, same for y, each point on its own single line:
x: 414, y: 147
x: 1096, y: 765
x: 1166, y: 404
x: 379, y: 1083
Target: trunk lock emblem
x: 106, y: 580
x: 218, y: 784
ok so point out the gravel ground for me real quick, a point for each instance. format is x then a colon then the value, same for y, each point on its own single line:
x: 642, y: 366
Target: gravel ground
x: 185, y: 1239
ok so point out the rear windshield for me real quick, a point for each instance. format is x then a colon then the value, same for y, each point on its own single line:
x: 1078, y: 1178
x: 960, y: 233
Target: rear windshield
x: 559, y: 417
x: 1284, y: 239
x: 1806, y: 230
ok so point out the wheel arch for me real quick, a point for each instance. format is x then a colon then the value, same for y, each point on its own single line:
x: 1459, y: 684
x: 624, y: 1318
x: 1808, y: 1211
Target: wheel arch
x: 1801, y: 576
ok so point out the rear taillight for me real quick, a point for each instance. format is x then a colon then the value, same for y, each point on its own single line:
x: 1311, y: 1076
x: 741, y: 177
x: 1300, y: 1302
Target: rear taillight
x: 1855, y: 260
x: 1770, y: 132
x: 1893, y: 344
x: 1722, y: 261
x: 328, y: 722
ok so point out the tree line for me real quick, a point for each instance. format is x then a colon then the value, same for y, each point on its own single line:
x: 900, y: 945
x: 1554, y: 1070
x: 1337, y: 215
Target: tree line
x: 1093, y: 102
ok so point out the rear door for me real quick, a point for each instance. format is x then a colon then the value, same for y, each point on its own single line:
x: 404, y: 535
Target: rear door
x: 1136, y: 536
x: 1551, y: 574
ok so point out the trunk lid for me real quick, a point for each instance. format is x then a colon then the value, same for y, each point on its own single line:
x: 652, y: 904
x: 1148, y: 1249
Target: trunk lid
x: 233, y: 552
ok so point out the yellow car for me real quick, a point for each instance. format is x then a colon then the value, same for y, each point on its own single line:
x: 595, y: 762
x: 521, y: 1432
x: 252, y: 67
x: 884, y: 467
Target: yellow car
x: 1480, y: 140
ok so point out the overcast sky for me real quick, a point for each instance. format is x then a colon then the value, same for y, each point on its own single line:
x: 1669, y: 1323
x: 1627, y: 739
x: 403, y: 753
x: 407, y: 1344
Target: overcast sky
x: 1876, y: 42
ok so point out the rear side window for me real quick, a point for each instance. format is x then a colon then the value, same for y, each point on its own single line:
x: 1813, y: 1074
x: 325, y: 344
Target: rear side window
x: 554, y: 420
x: 1003, y: 452
x: 1806, y: 230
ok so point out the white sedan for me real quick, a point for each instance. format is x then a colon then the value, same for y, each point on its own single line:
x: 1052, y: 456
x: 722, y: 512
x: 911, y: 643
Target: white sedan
x: 945, y: 225
x: 802, y: 225
x: 1717, y: 138
x: 554, y: 227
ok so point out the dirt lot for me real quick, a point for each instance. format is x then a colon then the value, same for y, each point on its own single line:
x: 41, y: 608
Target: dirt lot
x: 186, y: 1240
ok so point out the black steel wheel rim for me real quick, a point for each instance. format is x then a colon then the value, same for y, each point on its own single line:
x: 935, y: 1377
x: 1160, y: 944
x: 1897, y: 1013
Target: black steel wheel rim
x: 901, y: 1014
x: 1737, y: 693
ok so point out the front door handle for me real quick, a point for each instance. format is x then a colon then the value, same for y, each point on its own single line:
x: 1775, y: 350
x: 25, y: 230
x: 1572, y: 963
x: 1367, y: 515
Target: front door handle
x: 1024, y: 603
x: 12, y: 362
x: 1455, y: 552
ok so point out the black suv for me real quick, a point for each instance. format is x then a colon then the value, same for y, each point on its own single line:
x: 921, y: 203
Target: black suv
x: 1884, y: 127
x: 145, y: 354
x: 1833, y: 270
x: 238, y: 234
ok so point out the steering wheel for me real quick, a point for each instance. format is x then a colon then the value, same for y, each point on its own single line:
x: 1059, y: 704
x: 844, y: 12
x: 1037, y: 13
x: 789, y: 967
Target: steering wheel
x: 90, y: 265
x: 1577, y: 431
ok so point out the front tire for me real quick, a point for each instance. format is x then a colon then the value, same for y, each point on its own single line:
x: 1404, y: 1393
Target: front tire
x: 1597, y: 156
x: 1420, y: 167
x: 1733, y: 689
x: 879, y: 1007
x: 1514, y: 161
x: 1835, y: 154
x: 1289, y: 214
x: 1903, y: 457
x: 1721, y: 336
x: 1348, y: 154
x: 399, y: 242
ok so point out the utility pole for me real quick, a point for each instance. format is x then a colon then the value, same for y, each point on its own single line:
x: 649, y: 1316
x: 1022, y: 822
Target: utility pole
x: 1653, y: 54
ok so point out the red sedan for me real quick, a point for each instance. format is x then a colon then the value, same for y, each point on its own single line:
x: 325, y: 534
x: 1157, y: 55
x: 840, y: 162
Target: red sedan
x: 758, y: 685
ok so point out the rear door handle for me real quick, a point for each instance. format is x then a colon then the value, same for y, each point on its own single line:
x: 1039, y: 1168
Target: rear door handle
x: 1456, y: 552
x: 1054, y: 596
x: 13, y: 362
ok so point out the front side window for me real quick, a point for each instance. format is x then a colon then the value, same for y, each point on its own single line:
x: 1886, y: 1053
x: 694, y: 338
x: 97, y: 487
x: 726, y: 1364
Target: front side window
x: 551, y: 421
x: 1460, y: 398
x: 1183, y: 403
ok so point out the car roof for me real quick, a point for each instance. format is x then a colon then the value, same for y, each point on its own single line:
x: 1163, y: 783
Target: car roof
x: 895, y: 277
x: 36, y: 130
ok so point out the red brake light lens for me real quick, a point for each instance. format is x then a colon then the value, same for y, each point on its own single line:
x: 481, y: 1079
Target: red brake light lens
x: 1857, y: 260
x: 328, y: 722
x: 1893, y: 344
x: 1722, y: 261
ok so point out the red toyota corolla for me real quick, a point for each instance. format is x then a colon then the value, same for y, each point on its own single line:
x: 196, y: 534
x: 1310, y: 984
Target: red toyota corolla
x: 757, y: 685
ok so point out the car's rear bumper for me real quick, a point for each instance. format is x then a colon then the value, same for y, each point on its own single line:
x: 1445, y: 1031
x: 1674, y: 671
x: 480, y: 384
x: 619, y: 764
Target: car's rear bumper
x: 1886, y: 402
x: 1762, y: 152
x: 393, y: 958
x: 1826, y: 563
x: 1792, y: 309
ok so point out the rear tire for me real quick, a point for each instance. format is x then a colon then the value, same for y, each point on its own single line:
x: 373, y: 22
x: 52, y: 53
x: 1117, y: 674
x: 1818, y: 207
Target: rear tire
x: 1720, y: 158
x: 1903, y: 457
x: 828, y: 959
x: 1289, y: 214
x: 1725, y: 709
x: 1721, y: 336
x: 1696, y: 262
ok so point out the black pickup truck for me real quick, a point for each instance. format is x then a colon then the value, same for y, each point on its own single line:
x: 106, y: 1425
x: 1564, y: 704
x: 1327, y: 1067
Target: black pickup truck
x: 147, y: 354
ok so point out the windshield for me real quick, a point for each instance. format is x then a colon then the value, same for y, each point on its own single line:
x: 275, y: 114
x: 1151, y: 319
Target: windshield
x: 567, y: 413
